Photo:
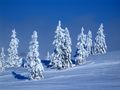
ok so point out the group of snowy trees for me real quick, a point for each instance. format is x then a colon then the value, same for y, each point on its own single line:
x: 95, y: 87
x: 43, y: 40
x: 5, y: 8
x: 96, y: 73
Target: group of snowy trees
x: 61, y: 56
x: 13, y: 59
x: 86, y: 47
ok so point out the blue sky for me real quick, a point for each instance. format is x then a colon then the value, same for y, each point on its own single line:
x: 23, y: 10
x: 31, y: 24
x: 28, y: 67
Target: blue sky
x: 43, y: 15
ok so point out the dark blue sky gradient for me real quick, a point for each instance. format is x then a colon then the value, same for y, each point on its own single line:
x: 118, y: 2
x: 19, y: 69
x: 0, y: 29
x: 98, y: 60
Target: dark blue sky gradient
x: 43, y: 15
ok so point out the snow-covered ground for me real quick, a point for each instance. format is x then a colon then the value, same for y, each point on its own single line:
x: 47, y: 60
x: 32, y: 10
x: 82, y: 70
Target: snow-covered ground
x: 102, y: 72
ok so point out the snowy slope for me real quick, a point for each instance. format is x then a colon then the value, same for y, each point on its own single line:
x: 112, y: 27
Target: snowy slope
x: 102, y: 72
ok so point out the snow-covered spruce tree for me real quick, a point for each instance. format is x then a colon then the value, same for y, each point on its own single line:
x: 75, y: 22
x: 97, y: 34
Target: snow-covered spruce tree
x: 1, y: 66
x: 100, y: 44
x: 82, y: 37
x: 57, y: 55
x: 13, y: 58
x: 35, y: 66
x: 2, y: 60
x: 89, y: 43
x: 81, y: 53
x: 48, y: 56
x: 67, y: 49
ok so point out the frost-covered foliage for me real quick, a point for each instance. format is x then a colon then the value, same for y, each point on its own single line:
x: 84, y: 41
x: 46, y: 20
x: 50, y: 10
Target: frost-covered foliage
x: 57, y: 55
x: 67, y: 50
x: 13, y: 58
x: 61, y: 57
x: 2, y: 60
x: 56, y: 60
x: 35, y: 66
x: 81, y: 53
x: 89, y: 43
x: 82, y: 37
x: 100, y: 44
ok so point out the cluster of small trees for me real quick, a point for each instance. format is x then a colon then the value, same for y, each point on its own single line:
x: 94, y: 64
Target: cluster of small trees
x: 61, y: 56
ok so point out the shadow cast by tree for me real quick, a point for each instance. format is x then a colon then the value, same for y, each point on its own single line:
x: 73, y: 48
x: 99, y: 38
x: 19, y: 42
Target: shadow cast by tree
x: 19, y: 76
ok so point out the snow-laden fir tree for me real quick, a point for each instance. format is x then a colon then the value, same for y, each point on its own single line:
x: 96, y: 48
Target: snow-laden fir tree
x: 48, y: 56
x: 82, y: 37
x: 35, y: 66
x: 2, y: 60
x: 81, y: 53
x: 13, y: 58
x: 89, y: 43
x: 1, y: 66
x: 100, y: 44
x: 57, y: 55
x: 67, y: 50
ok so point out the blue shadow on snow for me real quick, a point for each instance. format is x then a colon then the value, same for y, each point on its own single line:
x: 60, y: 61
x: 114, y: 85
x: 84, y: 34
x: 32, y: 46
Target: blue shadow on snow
x: 18, y: 76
